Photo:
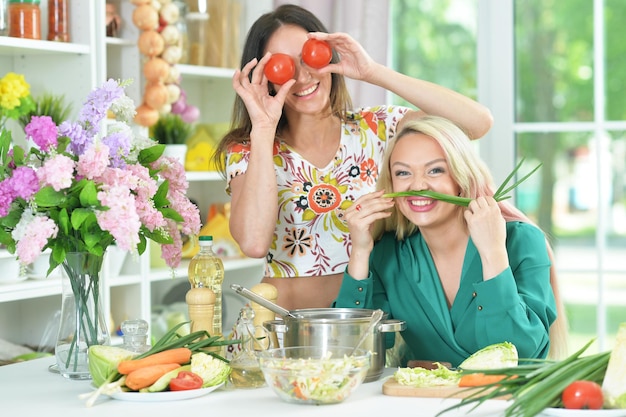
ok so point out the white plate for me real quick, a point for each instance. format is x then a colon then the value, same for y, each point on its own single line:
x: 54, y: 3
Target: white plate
x: 564, y: 412
x: 164, y: 396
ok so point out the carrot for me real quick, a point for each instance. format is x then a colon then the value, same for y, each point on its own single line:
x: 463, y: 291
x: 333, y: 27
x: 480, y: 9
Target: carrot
x: 180, y: 356
x: 479, y: 379
x: 148, y: 375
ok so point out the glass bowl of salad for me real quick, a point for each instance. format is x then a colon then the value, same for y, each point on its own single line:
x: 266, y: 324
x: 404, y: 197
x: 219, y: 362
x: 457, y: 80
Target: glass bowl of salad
x: 312, y: 374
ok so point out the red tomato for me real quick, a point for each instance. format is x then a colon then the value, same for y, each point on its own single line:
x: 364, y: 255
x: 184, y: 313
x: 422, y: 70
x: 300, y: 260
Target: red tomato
x: 280, y: 69
x: 186, y: 380
x: 316, y: 53
x: 583, y: 395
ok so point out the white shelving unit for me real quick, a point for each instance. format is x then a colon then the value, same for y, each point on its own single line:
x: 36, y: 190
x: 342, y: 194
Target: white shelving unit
x: 28, y: 307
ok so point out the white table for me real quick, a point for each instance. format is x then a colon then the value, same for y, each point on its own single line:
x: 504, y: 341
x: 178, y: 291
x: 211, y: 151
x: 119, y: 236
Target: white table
x: 30, y: 389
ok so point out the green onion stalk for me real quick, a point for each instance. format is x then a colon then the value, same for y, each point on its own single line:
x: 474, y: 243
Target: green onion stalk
x: 499, y: 195
x: 536, y: 384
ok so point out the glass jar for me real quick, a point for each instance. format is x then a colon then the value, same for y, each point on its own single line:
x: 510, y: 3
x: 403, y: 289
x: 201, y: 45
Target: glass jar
x: 196, y: 32
x: 58, y: 21
x: 24, y: 19
x: 4, y: 19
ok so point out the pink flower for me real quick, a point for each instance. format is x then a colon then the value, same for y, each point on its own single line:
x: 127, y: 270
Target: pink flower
x: 93, y: 162
x: 35, y: 237
x: 57, y: 172
x: 43, y: 132
x: 121, y: 219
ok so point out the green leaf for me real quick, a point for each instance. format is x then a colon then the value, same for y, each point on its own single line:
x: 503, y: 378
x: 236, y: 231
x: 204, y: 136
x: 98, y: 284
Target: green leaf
x: 80, y: 216
x: 171, y: 214
x: 160, y: 197
x: 89, y: 195
x: 64, y: 221
x: 151, y: 154
x: 47, y: 197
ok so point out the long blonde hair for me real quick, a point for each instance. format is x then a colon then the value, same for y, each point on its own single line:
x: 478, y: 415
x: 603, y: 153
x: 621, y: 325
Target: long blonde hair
x: 474, y: 179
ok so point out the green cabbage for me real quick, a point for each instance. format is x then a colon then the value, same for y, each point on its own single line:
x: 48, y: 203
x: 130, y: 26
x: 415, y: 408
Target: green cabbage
x: 422, y: 377
x: 212, y: 370
x: 103, y: 361
x: 498, y: 355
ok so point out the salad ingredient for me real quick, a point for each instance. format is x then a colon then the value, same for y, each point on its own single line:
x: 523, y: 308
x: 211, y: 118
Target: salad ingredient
x: 164, y: 382
x: 148, y: 375
x: 537, y: 384
x: 316, y: 53
x: 479, y: 379
x: 185, y: 380
x: 322, y: 380
x: 279, y: 69
x: 583, y: 395
x: 498, y: 355
x: 614, y: 384
x: 195, y: 341
x: 212, y: 371
x: 103, y: 361
x: 180, y: 356
x: 499, y: 195
x: 422, y: 377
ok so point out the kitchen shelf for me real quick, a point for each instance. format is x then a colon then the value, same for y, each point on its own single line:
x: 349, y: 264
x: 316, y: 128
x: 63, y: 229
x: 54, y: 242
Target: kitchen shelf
x: 74, y: 69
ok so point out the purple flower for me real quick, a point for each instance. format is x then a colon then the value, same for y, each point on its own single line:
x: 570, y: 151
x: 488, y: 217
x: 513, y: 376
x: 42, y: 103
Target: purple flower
x: 6, y: 197
x: 43, y: 131
x: 24, y: 182
x: 97, y: 105
x: 79, y: 139
x: 119, y: 146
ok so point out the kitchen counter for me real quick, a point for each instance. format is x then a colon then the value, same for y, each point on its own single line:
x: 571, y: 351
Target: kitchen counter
x: 31, y: 389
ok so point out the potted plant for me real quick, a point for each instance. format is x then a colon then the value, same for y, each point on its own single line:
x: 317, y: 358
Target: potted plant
x: 51, y: 105
x: 172, y: 131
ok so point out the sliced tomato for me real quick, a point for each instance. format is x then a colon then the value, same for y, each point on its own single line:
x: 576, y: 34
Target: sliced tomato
x: 186, y: 380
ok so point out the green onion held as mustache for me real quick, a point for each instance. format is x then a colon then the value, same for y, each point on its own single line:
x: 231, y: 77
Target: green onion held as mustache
x: 500, y: 194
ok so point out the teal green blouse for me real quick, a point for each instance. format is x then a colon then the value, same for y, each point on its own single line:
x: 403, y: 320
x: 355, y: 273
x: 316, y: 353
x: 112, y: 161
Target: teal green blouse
x: 517, y: 306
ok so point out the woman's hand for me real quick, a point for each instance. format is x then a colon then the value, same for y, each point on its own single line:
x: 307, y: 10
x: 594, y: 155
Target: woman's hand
x: 264, y: 109
x: 354, y: 61
x: 487, y: 228
x: 361, y: 217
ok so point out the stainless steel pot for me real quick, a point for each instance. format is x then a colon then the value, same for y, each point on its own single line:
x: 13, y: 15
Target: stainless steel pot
x: 323, y: 327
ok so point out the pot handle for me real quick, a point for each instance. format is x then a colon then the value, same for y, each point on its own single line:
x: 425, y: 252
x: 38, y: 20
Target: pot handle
x: 386, y: 326
x: 277, y: 326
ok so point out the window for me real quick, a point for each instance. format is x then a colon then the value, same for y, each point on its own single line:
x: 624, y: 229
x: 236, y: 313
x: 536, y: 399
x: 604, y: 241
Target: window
x: 552, y: 74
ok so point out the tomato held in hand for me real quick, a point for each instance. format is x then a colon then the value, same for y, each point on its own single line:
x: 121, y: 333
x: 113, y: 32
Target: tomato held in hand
x: 583, y: 395
x: 279, y: 69
x: 186, y: 380
x: 316, y: 54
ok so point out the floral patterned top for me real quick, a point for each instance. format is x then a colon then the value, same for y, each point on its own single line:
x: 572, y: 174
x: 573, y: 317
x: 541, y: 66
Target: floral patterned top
x: 311, y: 237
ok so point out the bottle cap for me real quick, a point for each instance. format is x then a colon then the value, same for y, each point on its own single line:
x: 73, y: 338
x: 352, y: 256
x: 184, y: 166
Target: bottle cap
x: 205, y: 238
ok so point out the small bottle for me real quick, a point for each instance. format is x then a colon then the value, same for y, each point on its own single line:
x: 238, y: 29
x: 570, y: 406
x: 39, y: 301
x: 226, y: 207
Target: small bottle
x: 245, y: 369
x: 24, y: 19
x: 207, y: 270
x: 58, y: 21
x: 181, y: 24
x: 135, y: 335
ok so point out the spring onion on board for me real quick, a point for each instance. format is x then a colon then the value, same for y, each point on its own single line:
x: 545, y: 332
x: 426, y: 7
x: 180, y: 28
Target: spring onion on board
x: 537, y: 384
x: 500, y: 194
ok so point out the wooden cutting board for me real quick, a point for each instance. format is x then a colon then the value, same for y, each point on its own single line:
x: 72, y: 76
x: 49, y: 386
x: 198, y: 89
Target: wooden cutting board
x: 393, y: 388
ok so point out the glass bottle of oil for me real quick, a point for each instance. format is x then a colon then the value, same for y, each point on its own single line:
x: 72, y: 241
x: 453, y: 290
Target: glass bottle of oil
x: 206, y: 269
x: 245, y: 370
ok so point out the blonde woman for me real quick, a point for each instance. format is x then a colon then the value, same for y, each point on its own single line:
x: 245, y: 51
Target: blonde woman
x: 461, y: 277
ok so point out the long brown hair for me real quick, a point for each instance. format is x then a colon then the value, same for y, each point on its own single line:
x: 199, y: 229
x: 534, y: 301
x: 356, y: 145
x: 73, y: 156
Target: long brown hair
x: 254, y: 47
x: 474, y: 179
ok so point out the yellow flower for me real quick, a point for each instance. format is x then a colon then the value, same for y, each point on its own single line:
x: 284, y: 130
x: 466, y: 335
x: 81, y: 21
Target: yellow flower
x: 13, y: 87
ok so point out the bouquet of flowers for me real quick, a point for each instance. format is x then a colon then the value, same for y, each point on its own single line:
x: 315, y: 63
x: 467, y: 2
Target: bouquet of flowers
x: 77, y: 190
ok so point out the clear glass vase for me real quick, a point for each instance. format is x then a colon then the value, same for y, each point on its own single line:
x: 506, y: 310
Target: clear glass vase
x: 83, y: 322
